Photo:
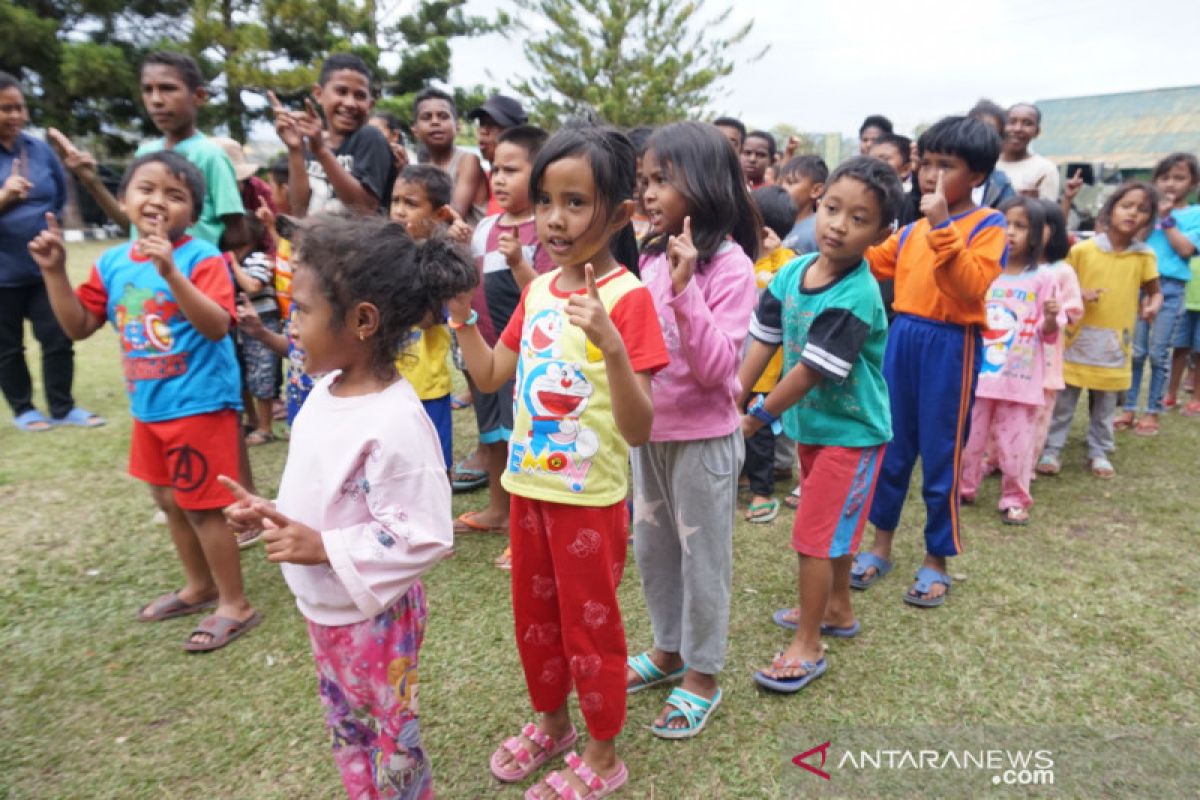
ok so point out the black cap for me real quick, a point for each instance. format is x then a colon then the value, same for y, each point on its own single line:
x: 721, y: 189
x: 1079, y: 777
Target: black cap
x: 504, y: 111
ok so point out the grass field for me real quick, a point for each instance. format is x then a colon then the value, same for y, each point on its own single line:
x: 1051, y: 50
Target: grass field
x: 1086, y: 619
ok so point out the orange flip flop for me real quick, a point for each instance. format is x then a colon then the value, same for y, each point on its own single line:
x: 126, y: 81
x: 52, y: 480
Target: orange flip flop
x: 466, y: 523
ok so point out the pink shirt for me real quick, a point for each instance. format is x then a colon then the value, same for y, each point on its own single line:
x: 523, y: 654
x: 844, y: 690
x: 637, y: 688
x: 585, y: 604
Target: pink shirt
x: 1066, y: 291
x: 704, y: 327
x: 1014, y: 361
x: 367, y: 472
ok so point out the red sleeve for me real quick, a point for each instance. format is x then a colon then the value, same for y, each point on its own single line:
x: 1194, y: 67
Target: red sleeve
x: 511, y: 337
x: 94, y: 295
x: 211, y: 277
x: 637, y: 322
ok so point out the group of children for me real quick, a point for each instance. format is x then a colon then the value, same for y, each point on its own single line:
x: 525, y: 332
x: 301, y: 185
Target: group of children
x: 835, y: 315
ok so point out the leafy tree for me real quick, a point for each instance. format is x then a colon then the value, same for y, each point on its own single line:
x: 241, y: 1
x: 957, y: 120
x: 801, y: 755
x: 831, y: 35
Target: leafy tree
x: 633, y: 62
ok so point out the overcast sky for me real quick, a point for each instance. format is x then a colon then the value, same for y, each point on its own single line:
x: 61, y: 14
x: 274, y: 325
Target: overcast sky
x: 831, y: 63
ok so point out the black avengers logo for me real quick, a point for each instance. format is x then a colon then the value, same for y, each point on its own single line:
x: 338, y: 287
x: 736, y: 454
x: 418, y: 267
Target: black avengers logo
x: 189, y: 468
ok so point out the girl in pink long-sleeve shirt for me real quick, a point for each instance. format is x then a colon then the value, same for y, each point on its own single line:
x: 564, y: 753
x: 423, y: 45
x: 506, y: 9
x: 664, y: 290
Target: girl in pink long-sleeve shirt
x: 364, y: 503
x: 700, y: 272
x: 1070, y: 300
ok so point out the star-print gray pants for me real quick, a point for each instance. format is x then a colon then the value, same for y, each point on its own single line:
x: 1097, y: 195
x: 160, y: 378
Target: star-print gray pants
x: 685, y: 496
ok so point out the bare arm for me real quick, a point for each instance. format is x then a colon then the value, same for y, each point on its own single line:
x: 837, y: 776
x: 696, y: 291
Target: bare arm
x: 758, y: 355
x: 347, y: 188
x: 789, y: 391
x: 470, y: 178
x: 83, y: 166
x: 50, y: 254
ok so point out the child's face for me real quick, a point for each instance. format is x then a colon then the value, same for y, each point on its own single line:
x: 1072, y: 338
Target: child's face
x: 1176, y: 183
x: 412, y: 209
x: 573, y: 223
x: 380, y: 124
x: 888, y: 153
x: 733, y: 136
x: 324, y: 339
x: 13, y: 114
x: 435, y: 125
x: 803, y: 190
x: 510, y: 177
x: 172, y: 106
x: 957, y: 178
x: 157, y: 198
x: 867, y: 139
x: 665, y: 205
x: 346, y: 100
x: 849, y: 221
x: 486, y: 132
x: 279, y: 195
x: 1131, y: 214
x: 756, y: 156
x: 1017, y: 233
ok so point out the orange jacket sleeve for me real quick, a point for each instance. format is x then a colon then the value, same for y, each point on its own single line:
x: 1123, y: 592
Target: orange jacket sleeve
x: 882, y: 257
x: 965, y: 271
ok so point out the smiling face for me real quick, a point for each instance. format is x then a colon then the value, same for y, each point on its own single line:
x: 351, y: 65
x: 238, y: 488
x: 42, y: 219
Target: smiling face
x: 665, y: 205
x: 1020, y: 129
x: 156, y: 199
x: 849, y: 221
x: 172, y: 106
x: 510, y: 178
x: 412, y: 209
x: 13, y: 115
x: 435, y: 125
x: 559, y: 391
x: 756, y: 156
x: 345, y: 100
x: 574, y: 223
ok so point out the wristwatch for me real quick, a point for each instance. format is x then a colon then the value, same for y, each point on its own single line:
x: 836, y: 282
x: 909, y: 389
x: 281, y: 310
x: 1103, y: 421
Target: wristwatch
x: 1167, y: 222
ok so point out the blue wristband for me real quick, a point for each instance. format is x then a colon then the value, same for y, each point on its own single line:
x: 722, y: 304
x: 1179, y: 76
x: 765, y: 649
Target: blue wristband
x: 758, y: 410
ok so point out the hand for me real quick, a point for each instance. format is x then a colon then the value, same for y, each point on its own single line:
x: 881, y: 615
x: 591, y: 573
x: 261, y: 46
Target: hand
x: 310, y: 127
x: 789, y: 149
x: 1148, y: 312
x: 510, y: 247
x: 265, y: 216
x: 459, y: 230
x: 459, y: 306
x: 47, y: 248
x: 933, y: 205
x: 771, y: 241
x: 285, y: 124
x: 1050, y: 308
x: 399, y: 155
x: 243, y: 515
x: 750, y: 425
x: 1091, y: 295
x: 682, y: 255
x: 1165, y: 203
x: 248, y: 320
x: 1035, y: 190
x: 158, y: 248
x: 16, y: 186
x: 1073, y: 185
x: 289, y: 541
x: 79, y: 163
x: 587, y: 312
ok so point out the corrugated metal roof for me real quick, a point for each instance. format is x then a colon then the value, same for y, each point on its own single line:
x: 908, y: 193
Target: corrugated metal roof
x: 1132, y: 129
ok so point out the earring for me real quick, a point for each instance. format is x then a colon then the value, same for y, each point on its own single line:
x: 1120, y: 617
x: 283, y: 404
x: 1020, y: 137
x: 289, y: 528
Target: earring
x: 360, y: 336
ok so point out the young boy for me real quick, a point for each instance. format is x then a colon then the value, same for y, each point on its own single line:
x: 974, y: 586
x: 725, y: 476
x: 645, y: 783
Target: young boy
x: 893, y: 149
x: 347, y: 165
x: 254, y: 277
x: 758, y: 153
x: 435, y: 127
x: 505, y: 246
x: 777, y: 210
x: 497, y: 114
x: 170, y: 300
x: 804, y: 178
x: 942, y: 266
x: 825, y: 310
x: 734, y: 130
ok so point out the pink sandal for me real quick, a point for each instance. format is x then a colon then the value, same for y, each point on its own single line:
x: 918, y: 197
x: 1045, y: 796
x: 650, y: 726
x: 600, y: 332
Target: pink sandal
x: 597, y: 787
x: 527, y: 762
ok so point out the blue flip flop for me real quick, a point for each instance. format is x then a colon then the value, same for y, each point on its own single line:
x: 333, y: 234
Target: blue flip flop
x: 469, y: 480
x: 812, y: 671
x: 863, y: 562
x: 650, y: 674
x: 80, y: 418
x: 925, y: 579
x: 849, y: 632
x: 30, y: 418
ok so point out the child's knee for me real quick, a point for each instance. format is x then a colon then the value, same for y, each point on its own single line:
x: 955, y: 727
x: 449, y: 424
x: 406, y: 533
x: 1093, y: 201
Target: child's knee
x: 164, y: 498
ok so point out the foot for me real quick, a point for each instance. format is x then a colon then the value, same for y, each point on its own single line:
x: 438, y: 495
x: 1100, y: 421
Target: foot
x: 883, y: 552
x: 505, y: 760
x: 830, y: 620
x: 241, y: 613
x: 698, y: 684
x: 1015, y: 516
x: 1123, y: 421
x: 762, y: 509
x: 606, y: 767
x: 259, y: 437
x: 938, y: 589
x: 787, y: 664
x: 1169, y: 402
x: 1147, y: 425
x: 504, y: 560
x: 666, y: 662
x: 487, y: 520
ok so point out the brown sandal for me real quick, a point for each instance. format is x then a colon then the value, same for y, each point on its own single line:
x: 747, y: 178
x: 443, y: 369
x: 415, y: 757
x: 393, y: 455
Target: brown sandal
x: 222, y: 631
x: 1123, y: 421
x: 170, y: 606
x: 257, y: 437
x: 1147, y: 426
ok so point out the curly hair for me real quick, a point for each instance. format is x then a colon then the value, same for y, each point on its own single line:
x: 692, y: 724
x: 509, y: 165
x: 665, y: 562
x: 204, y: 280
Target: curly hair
x: 368, y: 259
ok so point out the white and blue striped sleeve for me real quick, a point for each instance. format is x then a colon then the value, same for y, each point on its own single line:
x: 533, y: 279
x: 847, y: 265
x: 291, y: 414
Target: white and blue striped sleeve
x: 766, y: 324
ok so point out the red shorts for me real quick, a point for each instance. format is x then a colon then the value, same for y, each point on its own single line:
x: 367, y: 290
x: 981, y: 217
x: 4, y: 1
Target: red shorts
x: 187, y: 454
x: 835, y: 498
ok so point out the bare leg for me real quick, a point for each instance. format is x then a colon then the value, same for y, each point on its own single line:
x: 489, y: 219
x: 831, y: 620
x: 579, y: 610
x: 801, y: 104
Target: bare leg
x: 198, y: 580
x: 220, y: 551
x: 1179, y: 361
x: 840, y: 611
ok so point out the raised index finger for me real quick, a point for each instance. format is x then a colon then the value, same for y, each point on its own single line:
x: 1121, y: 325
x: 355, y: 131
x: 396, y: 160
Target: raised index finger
x: 589, y: 275
x: 687, y: 227
x: 235, y: 488
x: 941, y: 180
x: 275, y: 104
x: 52, y: 224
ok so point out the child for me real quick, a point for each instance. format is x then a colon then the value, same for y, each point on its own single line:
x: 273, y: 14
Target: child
x: 1066, y: 291
x: 1187, y: 340
x: 826, y: 312
x: 348, y: 165
x: 1023, y: 318
x: 583, y: 343
x: 254, y: 276
x: 420, y: 202
x: 435, y: 126
x: 804, y: 178
x: 758, y: 153
x: 893, y: 149
x: 641, y: 223
x: 1174, y: 239
x: 734, y: 131
x: 389, y: 125
x: 699, y: 270
x: 777, y: 210
x: 505, y: 247
x: 943, y: 265
x: 1113, y: 267
x: 171, y: 301
x: 363, y: 508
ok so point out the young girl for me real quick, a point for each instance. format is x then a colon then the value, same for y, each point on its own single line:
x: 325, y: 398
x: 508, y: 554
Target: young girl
x: 583, y: 343
x: 1066, y: 290
x: 1113, y: 268
x: 1022, y: 316
x: 700, y: 271
x: 1174, y: 239
x: 364, y: 504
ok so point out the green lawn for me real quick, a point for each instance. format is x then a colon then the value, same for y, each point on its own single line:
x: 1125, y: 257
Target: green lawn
x: 1087, y: 618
